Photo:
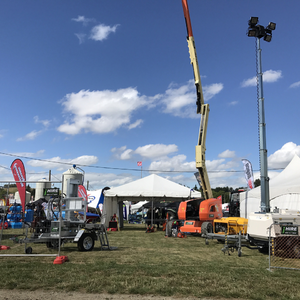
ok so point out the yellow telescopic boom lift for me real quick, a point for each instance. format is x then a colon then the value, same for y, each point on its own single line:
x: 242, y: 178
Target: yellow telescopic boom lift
x: 202, y: 108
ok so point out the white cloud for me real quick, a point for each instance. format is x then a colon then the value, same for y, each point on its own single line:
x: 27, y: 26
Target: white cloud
x: 126, y: 154
x: 46, y: 123
x: 122, y: 153
x: 30, y: 136
x: 249, y: 82
x: 177, y: 163
x: 27, y: 154
x: 268, y: 76
x: 181, y: 101
x: 56, y: 162
x: 295, y: 85
x: 282, y: 157
x: 34, y: 134
x: 101, y: 32
x: 101, y: 111
x: 211, y: 90
x: 83, y: 20
x: 81, y: 37
x: 145, y: 152
x: 30, y: 154
x: 3, y: 132
x: 137, y: 123
x: 158, y: 150
x: 227, y: 154
x: 177, y: 101
x: 106, y: 111
x: 217, y: 170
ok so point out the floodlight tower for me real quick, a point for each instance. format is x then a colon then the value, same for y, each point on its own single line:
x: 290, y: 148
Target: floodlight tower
x: 258, y: 31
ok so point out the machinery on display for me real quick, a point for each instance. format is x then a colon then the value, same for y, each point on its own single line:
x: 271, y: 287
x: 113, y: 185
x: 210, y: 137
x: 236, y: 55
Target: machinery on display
x: 62, y: 218
x: 205, y: 216
x: 260, y: 227
x: 198, y: 215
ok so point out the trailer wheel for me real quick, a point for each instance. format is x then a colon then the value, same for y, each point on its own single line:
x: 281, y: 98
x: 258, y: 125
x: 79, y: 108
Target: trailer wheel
x: 239, y: 252
x: 296, y: 251
x: 54, y: 244
x: 206, y: 228
x: 86, y: 242
x: 28, y: 250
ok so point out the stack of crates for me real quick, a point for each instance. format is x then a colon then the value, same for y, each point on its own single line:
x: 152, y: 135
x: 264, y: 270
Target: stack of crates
x: 15, y: 216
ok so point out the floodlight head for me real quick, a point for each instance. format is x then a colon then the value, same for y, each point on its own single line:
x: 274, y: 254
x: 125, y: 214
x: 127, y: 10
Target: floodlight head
x: 271, y: 26
x: 252, y: 32
x: 268, y: 37
x: 253, y: 21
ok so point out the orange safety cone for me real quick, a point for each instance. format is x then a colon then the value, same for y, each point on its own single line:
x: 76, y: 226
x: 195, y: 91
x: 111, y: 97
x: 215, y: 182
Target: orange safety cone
x: 60, y: 260
x: 4, y: 247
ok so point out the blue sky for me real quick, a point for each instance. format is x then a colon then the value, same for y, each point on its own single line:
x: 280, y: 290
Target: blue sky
x: 104, y: 84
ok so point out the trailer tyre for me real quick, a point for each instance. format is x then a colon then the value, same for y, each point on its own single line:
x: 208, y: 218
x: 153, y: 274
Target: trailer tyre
x: 86, y: 242
x: 206, y: 228
x: 54, y: 244
x: 239, y: 252
x: 28, y: 250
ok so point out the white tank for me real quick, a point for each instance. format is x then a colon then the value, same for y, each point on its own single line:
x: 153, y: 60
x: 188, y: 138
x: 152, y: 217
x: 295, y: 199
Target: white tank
x: 39, y: 189
x: 72, y: 173
x: 18, y: 199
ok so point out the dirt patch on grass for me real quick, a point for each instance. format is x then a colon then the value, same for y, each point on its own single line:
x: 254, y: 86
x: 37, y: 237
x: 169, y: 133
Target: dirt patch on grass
x: 51, y: 295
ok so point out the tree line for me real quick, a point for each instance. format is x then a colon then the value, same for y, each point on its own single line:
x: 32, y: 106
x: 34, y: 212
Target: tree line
x: 226, y: 191
x: 12, y: 188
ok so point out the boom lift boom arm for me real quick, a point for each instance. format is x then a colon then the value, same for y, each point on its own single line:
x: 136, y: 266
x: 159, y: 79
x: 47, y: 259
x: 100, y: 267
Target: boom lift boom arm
x: 202, y: 108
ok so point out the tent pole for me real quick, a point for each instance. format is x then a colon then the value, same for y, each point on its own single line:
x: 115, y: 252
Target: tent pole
x: 152, y: 214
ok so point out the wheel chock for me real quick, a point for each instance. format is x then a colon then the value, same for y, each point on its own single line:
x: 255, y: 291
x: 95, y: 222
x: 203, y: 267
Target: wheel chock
x: 60, y: 260
x: 4, y: 247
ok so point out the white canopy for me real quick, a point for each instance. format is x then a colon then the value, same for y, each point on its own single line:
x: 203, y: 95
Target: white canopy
x: 152, y: 187
x: 284, y: 191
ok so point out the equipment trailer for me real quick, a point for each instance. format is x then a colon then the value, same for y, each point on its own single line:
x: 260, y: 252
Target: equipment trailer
x: 64, y: 222
x: 50, y: 233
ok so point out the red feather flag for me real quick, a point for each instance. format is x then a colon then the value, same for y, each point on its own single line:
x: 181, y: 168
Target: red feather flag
x: 82, y: 193
x: 18, y: 170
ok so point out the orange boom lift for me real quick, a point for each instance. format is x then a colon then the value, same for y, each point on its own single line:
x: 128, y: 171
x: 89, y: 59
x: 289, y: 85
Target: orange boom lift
x: 199, y: 214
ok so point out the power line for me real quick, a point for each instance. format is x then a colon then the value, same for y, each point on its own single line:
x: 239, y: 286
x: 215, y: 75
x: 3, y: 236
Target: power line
x: 120, y: 169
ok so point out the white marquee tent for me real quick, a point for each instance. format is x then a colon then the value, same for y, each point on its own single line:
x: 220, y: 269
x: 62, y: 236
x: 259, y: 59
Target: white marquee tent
x: 284, y: 191
x: 150, y: 188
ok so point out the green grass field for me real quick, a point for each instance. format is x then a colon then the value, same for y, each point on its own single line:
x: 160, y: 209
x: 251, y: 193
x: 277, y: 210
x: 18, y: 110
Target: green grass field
x: 149, y: 264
